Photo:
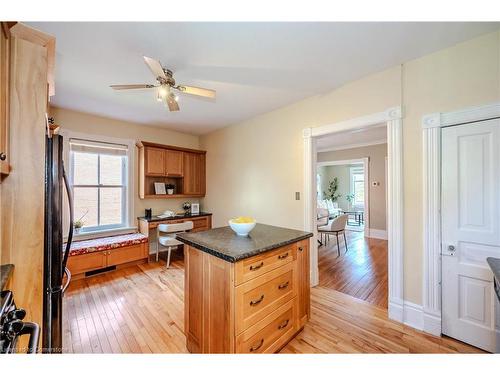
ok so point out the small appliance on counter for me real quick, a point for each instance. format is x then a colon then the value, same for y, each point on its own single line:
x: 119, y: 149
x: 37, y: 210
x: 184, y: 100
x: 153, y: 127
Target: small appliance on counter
x: 12, y: 326
x: 148, y: 213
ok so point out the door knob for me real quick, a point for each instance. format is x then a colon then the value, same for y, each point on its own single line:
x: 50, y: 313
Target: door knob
x: 451, y: 248
x: 3, y: 156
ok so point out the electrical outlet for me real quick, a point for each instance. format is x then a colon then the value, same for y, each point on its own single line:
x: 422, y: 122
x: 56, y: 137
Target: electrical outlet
x: 297, y: 195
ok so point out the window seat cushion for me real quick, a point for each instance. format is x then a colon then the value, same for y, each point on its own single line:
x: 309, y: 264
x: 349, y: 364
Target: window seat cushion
x: 106, y: 243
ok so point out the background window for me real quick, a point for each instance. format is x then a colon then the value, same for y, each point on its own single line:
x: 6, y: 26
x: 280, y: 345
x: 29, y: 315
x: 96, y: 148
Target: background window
x: 99, y: 176
x: 358, y: 186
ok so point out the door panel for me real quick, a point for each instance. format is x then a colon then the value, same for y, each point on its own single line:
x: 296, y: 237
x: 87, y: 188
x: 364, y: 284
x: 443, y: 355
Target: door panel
x: 470, y: 230
x: 173, y: 163
x: 155, y: 161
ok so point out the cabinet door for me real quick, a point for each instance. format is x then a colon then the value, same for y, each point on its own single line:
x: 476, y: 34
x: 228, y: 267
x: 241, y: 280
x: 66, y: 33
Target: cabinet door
x: 194, y: 174
x: 304, y: 308
x: 173, y: 163
x: 155, y: 161
x: 87, y: 262
x: 4, y: 99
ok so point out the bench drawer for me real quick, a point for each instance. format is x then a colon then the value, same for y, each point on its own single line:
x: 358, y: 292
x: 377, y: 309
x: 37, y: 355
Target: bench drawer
x: 248, y: 269
x: 257, y: 298
x: 87, y: 262
x: 126, y: 254
x: 267, y: 336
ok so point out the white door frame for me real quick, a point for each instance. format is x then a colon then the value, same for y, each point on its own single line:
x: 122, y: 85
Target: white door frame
x: 431, y: 127
x: 365, y: 162
x: 393, y: 118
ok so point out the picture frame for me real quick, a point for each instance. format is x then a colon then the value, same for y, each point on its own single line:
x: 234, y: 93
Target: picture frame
x: 160, y: 188
x: 195, y: 208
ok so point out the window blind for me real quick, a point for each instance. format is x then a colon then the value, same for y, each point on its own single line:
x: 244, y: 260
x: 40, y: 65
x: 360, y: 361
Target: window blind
x: 93, y: 147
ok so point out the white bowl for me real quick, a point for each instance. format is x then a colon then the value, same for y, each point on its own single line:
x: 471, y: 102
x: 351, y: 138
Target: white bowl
x: 241, y: 229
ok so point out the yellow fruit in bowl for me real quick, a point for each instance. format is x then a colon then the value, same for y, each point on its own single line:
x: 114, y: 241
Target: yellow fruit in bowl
x: 244, y: 220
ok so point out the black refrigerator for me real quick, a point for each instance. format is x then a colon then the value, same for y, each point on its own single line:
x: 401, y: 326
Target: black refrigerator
x: 56, y: 276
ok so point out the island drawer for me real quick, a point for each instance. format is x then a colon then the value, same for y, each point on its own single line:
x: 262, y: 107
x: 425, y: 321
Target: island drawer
x: 259, y: 297
x: 248, y: 269
x: 270, y: 334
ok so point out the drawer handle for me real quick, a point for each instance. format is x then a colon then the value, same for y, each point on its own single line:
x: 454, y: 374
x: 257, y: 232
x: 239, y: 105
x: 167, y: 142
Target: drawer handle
x: 284, y: 324
x: 283, y: 256
x: 257, y: 347
x: 284, y: 285
x: 254, y: 268
x: 257, y: 301
x: 300, y: 248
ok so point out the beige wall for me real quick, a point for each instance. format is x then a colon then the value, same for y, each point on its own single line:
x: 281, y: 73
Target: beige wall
x: 376, y: 166
x: 255, y: 167
x: 91, y: 124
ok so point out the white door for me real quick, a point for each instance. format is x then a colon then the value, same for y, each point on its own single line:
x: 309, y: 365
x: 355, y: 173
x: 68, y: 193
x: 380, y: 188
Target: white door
x: 470, y: 202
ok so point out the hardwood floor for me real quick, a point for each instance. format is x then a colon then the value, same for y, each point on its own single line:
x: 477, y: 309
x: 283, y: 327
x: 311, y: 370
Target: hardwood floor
x: 361, y: 272
x: 140, y: 310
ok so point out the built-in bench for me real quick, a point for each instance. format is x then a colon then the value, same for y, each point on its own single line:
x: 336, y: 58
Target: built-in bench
x: 102, y: 254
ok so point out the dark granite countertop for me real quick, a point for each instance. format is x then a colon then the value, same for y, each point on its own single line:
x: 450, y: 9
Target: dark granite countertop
x: 225, y: 244
x: 5, y: 274
x: 176, y: 217
x: 494, y: 264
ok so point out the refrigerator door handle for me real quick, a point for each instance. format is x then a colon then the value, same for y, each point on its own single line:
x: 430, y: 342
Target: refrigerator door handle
x: 71, y: 219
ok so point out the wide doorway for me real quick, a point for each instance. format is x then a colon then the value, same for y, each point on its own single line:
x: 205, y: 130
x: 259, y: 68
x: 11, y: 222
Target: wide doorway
x: 351, y: 213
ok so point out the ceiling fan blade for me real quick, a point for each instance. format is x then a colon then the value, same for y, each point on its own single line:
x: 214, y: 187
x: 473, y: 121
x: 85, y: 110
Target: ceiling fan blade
x: 155, y: 67
x: 172, y: 104
x: 198, y: 91
x: 131, y: 87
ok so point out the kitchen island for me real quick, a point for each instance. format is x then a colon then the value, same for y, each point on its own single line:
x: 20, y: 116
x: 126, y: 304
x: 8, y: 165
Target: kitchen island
x: 245, y: 294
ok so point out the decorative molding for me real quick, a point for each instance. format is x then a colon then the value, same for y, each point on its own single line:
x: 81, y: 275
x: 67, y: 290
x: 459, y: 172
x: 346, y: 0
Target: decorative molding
x: 471, y: 114
x: 432, y: 221
x: 377, y: 233
x: 431, y: 127
x: 395, y: 210
x: 354, y: 145
x: 393, y: 113
x: 306, y: 133
x: 340, y: 162
x: 392, y: 117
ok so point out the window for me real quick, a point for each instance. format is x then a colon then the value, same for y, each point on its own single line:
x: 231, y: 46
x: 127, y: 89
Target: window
x: 99, y: 175
x: 358, y: 185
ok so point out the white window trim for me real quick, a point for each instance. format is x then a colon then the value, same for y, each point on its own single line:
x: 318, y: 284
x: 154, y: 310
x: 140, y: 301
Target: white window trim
x: 352, y: 172
x: 130, y: 222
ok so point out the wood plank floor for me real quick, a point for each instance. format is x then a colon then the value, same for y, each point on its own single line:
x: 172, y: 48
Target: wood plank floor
x: 361, y: 272
x: 140, y: 310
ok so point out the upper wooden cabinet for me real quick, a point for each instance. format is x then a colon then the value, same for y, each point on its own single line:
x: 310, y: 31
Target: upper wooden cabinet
x: 155, y: 161
x: 194, y: 173
x: 174, y: 162
x: 4, y: 98
x: 184, y: 168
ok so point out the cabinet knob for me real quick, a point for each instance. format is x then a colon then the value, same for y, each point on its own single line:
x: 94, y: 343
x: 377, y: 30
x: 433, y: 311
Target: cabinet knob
x: 300, y: 248
x: 3, y: 156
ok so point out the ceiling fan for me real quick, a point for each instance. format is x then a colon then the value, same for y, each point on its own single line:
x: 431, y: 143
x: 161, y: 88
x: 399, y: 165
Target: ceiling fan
x: 166, y: 87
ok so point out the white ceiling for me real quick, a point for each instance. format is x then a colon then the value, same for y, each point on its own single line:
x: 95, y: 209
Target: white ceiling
x: 353, y: 138
x: 255, y: 67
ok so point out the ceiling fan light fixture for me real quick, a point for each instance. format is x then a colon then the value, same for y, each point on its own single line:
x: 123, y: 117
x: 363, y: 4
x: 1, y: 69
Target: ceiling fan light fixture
x: 163, y: 92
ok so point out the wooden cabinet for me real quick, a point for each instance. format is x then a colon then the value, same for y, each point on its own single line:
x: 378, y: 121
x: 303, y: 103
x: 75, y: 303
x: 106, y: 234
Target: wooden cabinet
x: 194, y: 174
x: 184, y: 168
x: 4, y: 98
x: 255, y: 305
x: 155, y: 161
x: 304, y: 303
x: 79, y: 264
x: 173, y: 163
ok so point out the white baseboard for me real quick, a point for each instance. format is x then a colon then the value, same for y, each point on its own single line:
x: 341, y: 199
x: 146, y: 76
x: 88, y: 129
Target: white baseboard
x: 377, y: 233
x: 413, y: 315
x: 432, y: 323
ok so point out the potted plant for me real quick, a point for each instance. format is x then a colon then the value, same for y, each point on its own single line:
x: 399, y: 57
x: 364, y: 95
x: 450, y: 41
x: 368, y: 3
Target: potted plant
x: 350, y: 199
x: 332, y: 195
x: 170, y: 188
x: 79, y: 223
